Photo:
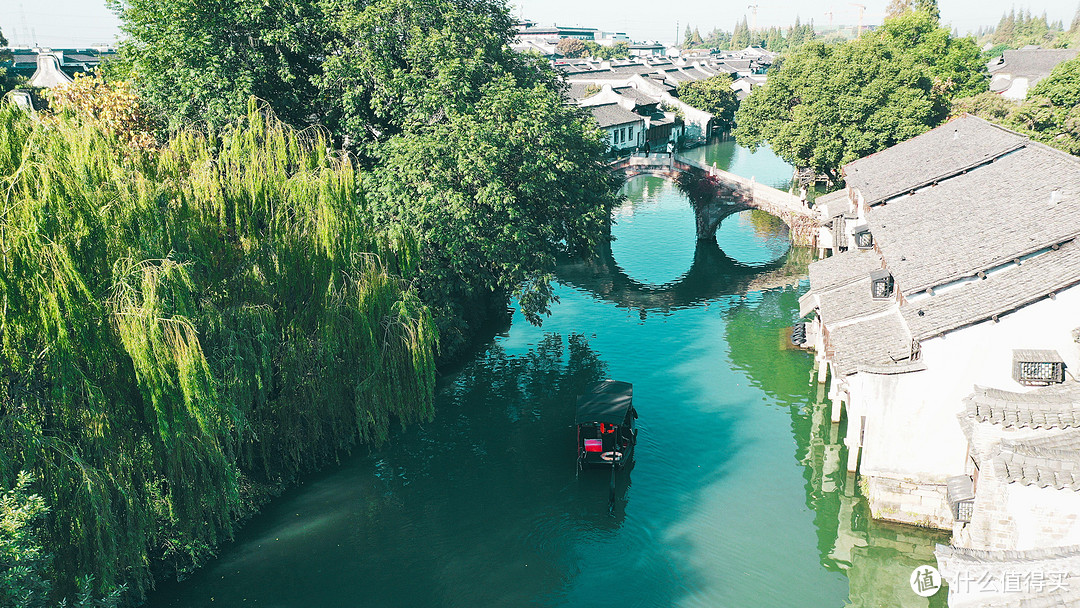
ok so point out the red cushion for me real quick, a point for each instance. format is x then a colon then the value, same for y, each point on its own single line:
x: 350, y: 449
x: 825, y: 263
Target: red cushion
x: 594, y: 445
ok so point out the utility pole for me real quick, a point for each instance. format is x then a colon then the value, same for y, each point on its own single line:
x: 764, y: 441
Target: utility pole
x: 861, y: 7
x: 753, y: 27
x: 676, y: 32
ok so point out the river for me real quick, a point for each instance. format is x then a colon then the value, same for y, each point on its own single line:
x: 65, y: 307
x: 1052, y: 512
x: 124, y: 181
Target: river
x: 737, y: 497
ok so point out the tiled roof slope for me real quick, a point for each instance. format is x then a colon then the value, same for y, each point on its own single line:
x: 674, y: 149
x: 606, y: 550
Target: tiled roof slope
x: 843, y: 268
x: 1054, y: 407
x: 1046, y: 462
x: 963, y: 142
x: 975, y: 221
x: 612, y: 114
x: 993, y: 565
x: 1000, y: 292
x: 1032, y: 63
x: 878, y: 342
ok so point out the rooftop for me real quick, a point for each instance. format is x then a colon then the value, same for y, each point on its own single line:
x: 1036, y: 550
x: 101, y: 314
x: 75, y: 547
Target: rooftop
x: 612, y: 114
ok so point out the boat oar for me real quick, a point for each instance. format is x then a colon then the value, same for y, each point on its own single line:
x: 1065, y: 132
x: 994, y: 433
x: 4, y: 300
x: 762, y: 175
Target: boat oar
x: 611, y: 488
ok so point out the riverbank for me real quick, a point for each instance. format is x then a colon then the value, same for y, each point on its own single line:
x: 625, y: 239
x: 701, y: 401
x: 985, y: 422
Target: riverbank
x: 735, y: 497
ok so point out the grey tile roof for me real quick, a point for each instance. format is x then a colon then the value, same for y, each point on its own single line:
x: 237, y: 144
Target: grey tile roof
x: 832, y: 204
x: 999, y: 293
x: 1052, y: 407
x: 879, y: 342
x: 1033, y: 64
x: 960, y: 143
x: 576, y: 92
x: 1047, y: 463
x: 975, y: 564
x: 640, y: 99
x: 843, y: 268
x: 850, y: 301
x: 978, y: 220
x: 612, y: 114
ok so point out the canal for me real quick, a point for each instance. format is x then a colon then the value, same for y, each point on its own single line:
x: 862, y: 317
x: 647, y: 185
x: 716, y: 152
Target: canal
x: 737, y: 497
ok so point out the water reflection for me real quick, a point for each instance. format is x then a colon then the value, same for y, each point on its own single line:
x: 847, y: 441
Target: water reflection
x: 712, y: 276
x: 876, y: 557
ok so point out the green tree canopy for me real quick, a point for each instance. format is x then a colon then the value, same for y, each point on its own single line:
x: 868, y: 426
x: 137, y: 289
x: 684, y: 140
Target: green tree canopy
x: 826, y: 105
x: 714, y: 95
x: 572, y: 47
x: 1050, y: 113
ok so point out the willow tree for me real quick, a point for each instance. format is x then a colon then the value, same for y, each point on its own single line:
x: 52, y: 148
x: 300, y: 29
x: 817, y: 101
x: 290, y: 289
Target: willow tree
x: 187, y: 328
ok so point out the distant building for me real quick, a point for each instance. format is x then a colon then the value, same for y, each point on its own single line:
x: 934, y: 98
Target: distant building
x: 642, y: 49
x: 557, y: 32
x: 1014, y: 73
x: 69, y: 61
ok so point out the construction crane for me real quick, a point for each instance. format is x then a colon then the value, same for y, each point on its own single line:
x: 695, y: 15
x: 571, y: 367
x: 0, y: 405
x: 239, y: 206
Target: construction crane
x: 753, y: 9
x: 861, y: 7
x: 829, y: 14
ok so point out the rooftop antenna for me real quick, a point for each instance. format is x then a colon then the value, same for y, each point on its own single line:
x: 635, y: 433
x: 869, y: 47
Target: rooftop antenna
x: 861, y: 7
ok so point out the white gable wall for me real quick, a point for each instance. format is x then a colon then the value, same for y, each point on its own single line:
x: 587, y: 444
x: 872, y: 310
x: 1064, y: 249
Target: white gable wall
x: 911, y: 429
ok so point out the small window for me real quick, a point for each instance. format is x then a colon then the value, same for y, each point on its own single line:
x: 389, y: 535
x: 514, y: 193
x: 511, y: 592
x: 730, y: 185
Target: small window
x: 631, y: 133
x: 1038, y: 367
x: 863, y: 238
x: 881, y: 284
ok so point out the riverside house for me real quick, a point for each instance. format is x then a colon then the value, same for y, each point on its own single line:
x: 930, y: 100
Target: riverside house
x: 625, y: 129
x: 952, y: 285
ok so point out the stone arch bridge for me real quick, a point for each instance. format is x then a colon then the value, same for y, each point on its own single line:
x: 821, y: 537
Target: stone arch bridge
x: 715, y: 194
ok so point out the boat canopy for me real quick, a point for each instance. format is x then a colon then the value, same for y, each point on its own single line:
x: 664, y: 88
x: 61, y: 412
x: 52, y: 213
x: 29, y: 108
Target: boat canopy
x: 606, y: 401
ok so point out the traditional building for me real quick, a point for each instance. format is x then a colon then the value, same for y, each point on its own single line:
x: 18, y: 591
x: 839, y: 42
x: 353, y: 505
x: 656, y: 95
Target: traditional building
x: 625, y: 130
x: 952, y: 251
x: 1015, y: 73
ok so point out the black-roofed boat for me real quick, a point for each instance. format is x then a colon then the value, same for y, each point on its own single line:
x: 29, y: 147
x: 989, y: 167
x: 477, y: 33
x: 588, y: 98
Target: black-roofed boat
x: 605, y: 424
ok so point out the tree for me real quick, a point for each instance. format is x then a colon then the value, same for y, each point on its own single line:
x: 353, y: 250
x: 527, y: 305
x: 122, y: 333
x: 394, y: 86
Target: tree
x: 827, y: 105
x: 1050, y: 113
x: 201, y: 61
x: 7, y: 81
x: 714, y: 95
x: 740, y: 39
x: 497, y: 190
x: 23, y: 559
x: 571, y: 48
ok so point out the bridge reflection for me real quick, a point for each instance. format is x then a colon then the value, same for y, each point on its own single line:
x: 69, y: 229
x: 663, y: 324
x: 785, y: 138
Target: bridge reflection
x: 712, y: 275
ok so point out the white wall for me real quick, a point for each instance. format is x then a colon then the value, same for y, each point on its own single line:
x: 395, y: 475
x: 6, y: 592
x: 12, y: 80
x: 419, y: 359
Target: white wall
x: 912, y: 431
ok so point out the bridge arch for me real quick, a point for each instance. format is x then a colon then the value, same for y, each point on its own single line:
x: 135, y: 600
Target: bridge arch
x: 716, y: 194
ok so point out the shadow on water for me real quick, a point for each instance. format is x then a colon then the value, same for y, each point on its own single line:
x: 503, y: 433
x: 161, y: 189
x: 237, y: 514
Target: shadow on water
x: 481, y: 507
x: 712, y: 275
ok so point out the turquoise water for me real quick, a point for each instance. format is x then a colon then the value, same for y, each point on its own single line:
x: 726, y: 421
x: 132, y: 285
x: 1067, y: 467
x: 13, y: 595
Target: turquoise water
x: 737, y: 496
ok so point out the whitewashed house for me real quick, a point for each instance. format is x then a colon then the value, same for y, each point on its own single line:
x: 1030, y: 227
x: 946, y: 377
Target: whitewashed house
x: 1014, y: 73
x: 951, y: 250
x: 625, y: 130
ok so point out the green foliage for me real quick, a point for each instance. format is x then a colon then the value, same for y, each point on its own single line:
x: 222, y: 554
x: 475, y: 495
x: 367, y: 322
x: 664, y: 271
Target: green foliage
x: 897, y: 8
x: 826, y: 105
x: 618, y: 50
x: 1050, y: 114
x: 497, y: 191
x: 572, y: 48
x: 1016, y: 29
x: 714, y: 95
x: 201, y: 61
x: 22, y: 558
x: 188, y: 327
x: 7, y: 81
x: 387, y: 77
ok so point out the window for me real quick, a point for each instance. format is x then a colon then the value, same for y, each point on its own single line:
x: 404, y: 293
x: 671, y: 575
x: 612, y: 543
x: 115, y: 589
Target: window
x: 631, y: 132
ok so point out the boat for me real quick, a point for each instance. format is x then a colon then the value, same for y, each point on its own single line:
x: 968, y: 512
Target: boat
x: 605, y: 424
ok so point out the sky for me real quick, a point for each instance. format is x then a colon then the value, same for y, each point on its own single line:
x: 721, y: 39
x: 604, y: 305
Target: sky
x: 80, y: 23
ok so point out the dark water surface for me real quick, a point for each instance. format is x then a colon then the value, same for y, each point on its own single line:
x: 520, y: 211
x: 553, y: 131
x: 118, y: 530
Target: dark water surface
x: 737, y: 497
